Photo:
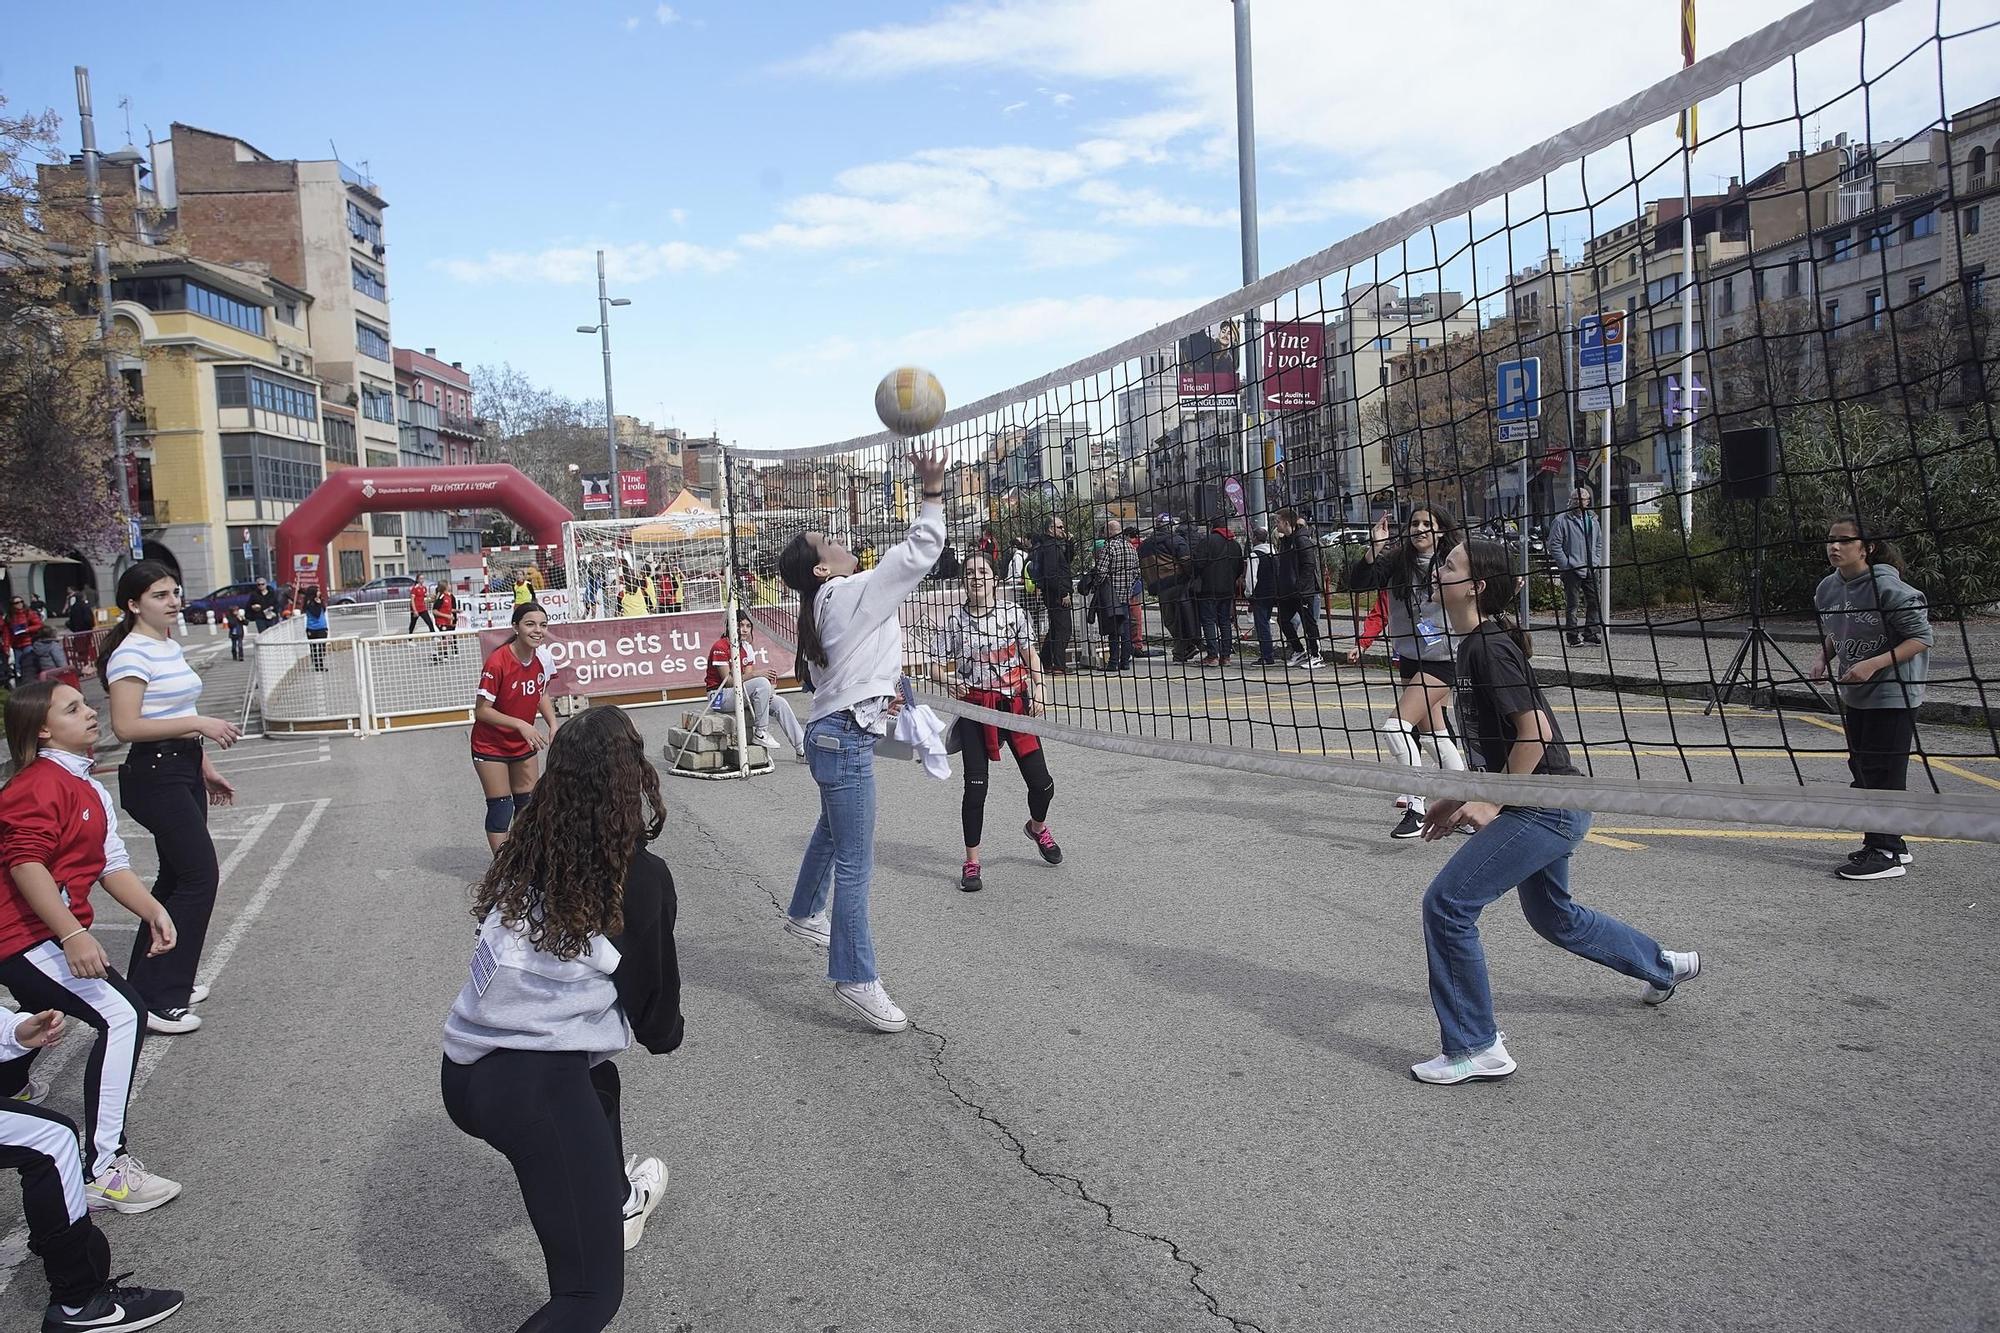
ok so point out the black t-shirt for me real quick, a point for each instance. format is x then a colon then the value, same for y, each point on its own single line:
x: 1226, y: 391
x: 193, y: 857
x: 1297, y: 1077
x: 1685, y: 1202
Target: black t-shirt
x: 1494, y: 683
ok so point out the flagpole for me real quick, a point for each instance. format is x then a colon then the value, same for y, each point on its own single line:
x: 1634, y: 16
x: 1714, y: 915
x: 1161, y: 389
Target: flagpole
x: 1683, y: 406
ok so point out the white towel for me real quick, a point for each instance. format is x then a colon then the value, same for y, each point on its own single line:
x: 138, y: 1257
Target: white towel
x: 919, y: 733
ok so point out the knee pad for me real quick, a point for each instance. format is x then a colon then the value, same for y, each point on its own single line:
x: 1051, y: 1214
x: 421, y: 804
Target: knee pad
x: 1047, y: 789
x: 499, y: 813
x: 1448, y: 755
x: 1400, y: 737
x: 521, y: 799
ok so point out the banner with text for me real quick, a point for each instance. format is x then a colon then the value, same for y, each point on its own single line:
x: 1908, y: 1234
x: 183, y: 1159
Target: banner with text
x: 642, y: 653
x: 632, y: 492
x: 1294, y: 361
x: 495, y: 610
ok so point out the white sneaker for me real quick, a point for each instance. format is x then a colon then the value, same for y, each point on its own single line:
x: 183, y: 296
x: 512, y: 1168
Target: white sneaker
x: 197, y: 995
x: 1313, y: 663
x: 648, y: 1178
x: 1296, y: 659
x: 874, y: 1004
x: 1493, y: 1062
x: 765, y: 739
x: 129, y: 1187
x: 815, y: 929
x: 34, y: 1094
x: 1685, y: 966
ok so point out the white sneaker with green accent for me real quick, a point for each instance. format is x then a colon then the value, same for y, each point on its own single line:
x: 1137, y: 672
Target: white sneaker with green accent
x: 647, y: 1177
x: 128, y: 1187
x: 1491, y: 1063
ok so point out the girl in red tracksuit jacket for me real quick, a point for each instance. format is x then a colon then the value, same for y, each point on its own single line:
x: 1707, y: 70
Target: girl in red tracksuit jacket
x: 58, y: 837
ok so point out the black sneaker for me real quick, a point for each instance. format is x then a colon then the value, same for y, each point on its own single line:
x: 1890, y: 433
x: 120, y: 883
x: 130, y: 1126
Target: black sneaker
x: 1409, y: 826
x: 969, y: 880
x: 1904, y: 856
x: 1045, y: 842
x: 114, y: 1306
x: 1871, y: 863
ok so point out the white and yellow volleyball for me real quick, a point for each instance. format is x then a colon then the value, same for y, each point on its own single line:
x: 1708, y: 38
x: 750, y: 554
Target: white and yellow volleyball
x: 910, y: 401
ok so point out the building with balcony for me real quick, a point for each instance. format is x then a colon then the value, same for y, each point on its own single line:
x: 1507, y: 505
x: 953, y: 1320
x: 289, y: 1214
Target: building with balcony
x: 317, y: 226
x: 436, y: 429
x: 225, y: 430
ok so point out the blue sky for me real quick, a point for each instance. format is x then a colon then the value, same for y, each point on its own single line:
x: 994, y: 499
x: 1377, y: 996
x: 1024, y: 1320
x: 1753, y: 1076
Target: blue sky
x: 798, y: 196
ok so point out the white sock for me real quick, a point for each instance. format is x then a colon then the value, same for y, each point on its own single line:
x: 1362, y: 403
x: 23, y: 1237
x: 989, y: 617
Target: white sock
x: 1447, y: 752
x: 1398, y: 736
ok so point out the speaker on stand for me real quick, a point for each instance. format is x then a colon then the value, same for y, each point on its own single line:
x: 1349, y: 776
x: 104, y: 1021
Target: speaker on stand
x: 1750, y: 473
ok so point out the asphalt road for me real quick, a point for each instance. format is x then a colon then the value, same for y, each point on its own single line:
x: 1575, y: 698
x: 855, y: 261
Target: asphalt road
x: 1160, y: 1087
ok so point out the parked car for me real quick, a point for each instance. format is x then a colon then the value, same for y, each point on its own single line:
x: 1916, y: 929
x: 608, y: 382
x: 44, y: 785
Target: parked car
x: 392, y: 588
x: 230, y: 597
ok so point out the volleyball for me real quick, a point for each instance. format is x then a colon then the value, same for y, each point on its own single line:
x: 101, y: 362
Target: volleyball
x: 910, y: 400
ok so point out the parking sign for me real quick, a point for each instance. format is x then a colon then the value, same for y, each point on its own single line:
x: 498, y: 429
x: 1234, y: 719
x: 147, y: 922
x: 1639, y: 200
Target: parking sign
x: 1518, y: 387
x: 1600, y: 361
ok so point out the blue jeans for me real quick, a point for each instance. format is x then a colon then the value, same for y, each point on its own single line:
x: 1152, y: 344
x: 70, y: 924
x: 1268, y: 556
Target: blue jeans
x: 1261, y: 610
x: 840, y: 858
x: 1528, y: 848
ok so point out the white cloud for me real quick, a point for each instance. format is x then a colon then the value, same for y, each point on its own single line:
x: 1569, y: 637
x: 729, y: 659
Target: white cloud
x: 626, y: 263
x: 632, y: 24
x: 1012, y: 107
x: 665, y: 14
x: 1127, y: 207
x: 678, y: 216
x: 1061, y: 99
x: 1366, y: 198
x: 1067, y: 326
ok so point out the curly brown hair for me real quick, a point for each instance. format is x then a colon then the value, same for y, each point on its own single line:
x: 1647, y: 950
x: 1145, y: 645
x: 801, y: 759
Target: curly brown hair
x: 561, y: 872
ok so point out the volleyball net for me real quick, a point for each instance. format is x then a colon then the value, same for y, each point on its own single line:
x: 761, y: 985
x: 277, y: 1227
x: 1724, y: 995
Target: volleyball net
x: 1648, y: 370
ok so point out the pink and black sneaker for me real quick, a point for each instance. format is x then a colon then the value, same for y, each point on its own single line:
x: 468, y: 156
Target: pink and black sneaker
x: 1046, y: 841
x: 968, y: 878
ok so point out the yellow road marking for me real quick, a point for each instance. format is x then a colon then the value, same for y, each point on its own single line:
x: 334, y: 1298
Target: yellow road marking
x: 1956, y: 771
x: 1603, y: 841
x: 1781, y: 835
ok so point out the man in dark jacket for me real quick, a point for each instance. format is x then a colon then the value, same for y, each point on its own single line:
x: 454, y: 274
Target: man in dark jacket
x: 1051, y: 565
x: 1298, y: 588
x: 1164, y: 560
x: 1218, y: 569
x: 263, y: 605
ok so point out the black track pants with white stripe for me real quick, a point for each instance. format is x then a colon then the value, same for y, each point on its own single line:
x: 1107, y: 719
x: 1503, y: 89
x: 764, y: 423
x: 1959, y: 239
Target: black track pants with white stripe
x: 40, y: 979
x: 41, y: 1145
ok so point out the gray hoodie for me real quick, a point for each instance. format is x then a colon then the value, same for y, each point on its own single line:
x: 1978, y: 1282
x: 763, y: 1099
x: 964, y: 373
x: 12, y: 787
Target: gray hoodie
x: 519, y: 998
x: 1866, y: 616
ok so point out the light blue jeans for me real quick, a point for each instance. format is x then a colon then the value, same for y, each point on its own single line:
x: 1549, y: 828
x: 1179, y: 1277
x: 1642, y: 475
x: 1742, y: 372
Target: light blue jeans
x: 840, y: 858
x: 1528, y: 848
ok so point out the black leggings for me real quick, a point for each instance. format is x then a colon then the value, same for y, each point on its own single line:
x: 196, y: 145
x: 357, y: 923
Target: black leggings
x: 160, y: 786
x: 1878, y: 755
x: 1034, y: 771
x: 41, y: 1145
x: 555, y: 1118
x: 1292, y: 613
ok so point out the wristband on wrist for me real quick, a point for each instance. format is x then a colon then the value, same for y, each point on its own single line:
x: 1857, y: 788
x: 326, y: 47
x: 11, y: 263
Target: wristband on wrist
x: 80, y: 930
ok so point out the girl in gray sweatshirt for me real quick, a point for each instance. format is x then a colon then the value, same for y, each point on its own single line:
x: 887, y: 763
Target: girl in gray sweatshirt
x: 1876, y: 637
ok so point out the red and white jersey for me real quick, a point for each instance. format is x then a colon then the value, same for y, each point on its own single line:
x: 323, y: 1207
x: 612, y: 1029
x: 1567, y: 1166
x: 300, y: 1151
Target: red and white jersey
x: 514, y: 688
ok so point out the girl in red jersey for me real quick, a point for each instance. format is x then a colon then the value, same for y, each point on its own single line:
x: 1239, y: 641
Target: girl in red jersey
x: 445, y: 606
x: 59, y: 836
x: 513, y: 697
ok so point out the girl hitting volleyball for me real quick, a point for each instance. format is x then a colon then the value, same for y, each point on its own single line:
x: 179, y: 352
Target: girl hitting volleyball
x: 850, y: 637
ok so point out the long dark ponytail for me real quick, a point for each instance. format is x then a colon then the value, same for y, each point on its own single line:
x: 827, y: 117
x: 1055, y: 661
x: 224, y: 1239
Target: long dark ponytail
x: 132, y: 585
x: 796, y: 564
x: 1490, y: 566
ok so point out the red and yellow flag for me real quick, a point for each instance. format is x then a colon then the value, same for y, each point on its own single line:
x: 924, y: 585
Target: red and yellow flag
x: 1690, y: 123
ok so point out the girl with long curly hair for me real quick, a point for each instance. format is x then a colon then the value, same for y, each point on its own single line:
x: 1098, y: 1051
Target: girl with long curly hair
x: 575, y: 959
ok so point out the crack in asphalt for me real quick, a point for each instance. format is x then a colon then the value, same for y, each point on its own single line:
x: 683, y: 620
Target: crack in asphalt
x: 1070, y: 1185
x: 1075, y: 1187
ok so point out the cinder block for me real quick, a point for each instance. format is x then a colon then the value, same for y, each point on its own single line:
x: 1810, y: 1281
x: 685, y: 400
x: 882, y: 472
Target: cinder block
x: 696, y: 743
x: 698, y: 761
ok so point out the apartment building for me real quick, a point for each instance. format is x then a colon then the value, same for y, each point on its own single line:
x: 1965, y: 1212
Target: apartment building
x: 436, y: 428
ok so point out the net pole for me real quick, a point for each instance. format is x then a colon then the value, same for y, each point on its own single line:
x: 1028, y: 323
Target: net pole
x: 723, y: 489
x: 1604, y: 536
x: 1246, y: 204
x: 1680, y: 407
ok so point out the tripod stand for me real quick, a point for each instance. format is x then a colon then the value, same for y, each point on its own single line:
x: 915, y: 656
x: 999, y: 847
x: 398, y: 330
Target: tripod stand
x: 1752, y: 665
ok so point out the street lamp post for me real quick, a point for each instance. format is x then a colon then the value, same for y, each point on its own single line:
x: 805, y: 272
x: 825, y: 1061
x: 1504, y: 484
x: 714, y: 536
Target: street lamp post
x: 1246, y: 190
x: 100, y: 254
x: 603, y: 328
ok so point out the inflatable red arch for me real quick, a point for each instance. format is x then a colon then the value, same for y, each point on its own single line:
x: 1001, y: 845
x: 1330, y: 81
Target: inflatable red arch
x: 336, y: 501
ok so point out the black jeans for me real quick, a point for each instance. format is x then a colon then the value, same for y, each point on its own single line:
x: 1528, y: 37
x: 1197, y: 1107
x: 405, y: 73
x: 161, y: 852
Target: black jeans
x: 317, y: 638
x: 424, y: 616
x: 1579, y: 585
x: 1177, y: 614
x: 1055, y: 648
x: 972, y: 752
x: 555, y: 1119
x: 1878, y: 755
x: 41, y: 1145
x: 1218, y: 626
x: 160, y: 786
x: 1299, y: 610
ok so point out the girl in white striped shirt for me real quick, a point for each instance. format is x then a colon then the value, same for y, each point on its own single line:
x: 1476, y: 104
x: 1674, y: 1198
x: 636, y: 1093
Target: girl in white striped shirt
x: 166, y: 784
